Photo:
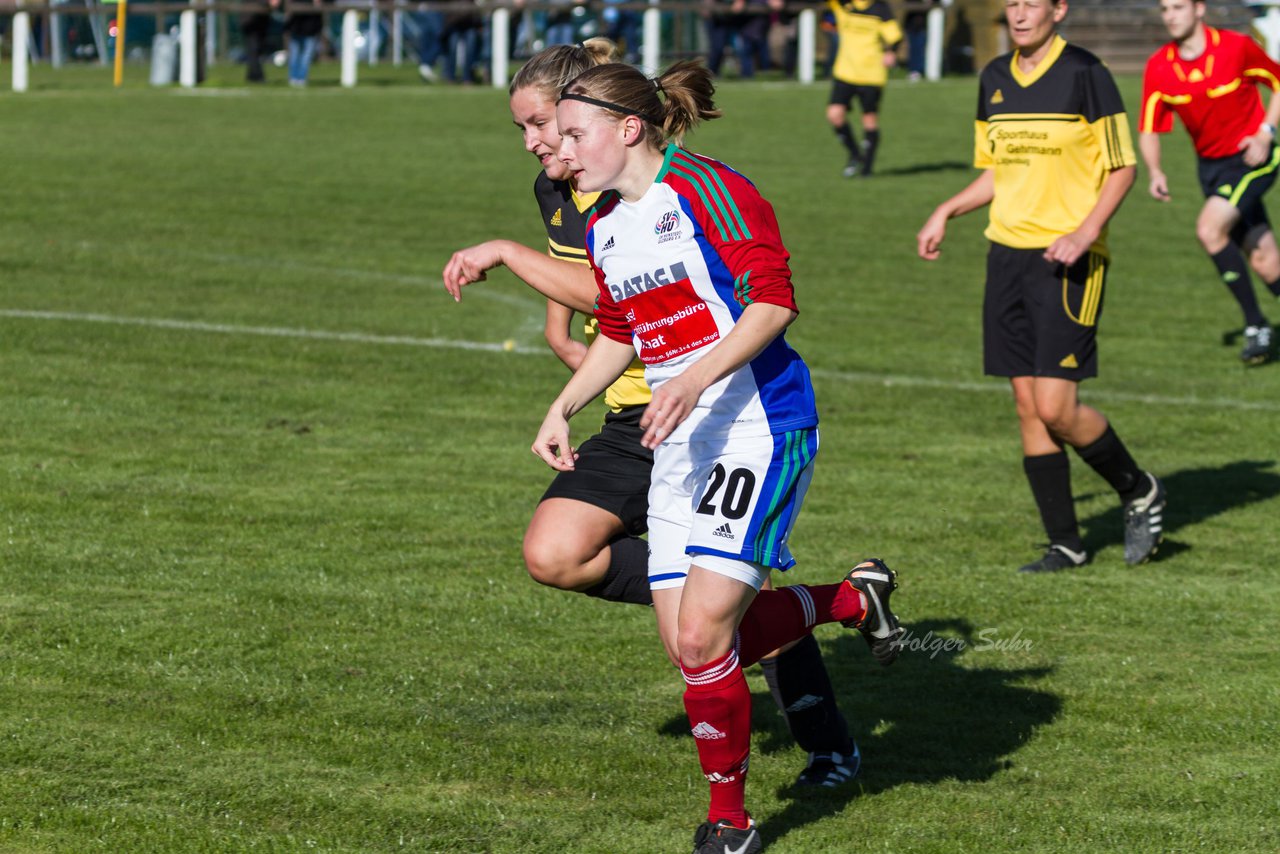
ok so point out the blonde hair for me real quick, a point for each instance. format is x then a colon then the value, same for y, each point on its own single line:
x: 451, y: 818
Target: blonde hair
x: 671, y: 105
x: 549, y: 70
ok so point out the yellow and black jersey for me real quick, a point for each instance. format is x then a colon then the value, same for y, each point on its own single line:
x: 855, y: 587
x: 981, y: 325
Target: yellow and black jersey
x: 867, y: 29
x: 564, y: 213
x: 1051, y: 136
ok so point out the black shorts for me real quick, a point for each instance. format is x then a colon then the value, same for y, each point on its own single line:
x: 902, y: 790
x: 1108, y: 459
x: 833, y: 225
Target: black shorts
x: 868, y: 96
x: 612, y: 471
x: 1041, y: 319
x: 1242, y: 185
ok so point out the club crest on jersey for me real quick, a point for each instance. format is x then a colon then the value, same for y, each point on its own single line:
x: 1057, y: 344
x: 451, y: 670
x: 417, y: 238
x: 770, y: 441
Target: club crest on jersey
x: 636, y: 285
x: 668, y: 227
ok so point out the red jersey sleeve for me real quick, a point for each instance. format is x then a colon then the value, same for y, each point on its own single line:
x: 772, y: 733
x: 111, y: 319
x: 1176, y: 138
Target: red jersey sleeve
x: 741, y: 227
x: 1259, y: 67
x: 1156, y: 116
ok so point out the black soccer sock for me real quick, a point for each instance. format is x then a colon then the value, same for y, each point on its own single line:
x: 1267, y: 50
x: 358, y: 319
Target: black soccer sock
x: 871, y: 141
x: 1110, y: 458
x: 846, y: 137
x: 802, y: 689
x: 1235, y: 275
x: 1050, y: 479
x: 627, y: 578
x: 1274, y: 287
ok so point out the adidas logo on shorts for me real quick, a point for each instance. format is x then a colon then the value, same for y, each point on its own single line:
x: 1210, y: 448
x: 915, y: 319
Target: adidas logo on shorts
x: 725, y: 531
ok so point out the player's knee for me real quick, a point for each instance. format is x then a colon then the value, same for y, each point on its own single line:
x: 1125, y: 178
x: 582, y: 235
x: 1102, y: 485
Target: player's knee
x: 548, y: 563
x: 1211, y: 236
x: 1025, y: 406
x: 699, y: 646
x: 1058, y: 417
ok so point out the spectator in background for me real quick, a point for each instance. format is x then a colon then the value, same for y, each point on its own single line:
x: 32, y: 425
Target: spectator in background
x: 783, y: 37
x: 430, y: 28
x: 723, y: 18
x: 461, y: 41
x: 255, y: 26
x: 622, y: 26
x: 827, y: 23
x: 303, y: 29
x: 753, y: 36
x: 916, y: 27
x: 560, y: 23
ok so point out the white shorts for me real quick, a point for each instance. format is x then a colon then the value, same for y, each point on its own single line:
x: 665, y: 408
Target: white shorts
x: 729, y: 508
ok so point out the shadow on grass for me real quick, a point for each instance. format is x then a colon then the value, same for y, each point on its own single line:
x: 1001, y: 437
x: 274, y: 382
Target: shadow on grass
x: 924, y: 720
x: 1194, y: 496
x: 923, y: 168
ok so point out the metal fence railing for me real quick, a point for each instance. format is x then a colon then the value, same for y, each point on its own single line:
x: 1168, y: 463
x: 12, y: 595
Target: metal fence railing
x: 360, y: 30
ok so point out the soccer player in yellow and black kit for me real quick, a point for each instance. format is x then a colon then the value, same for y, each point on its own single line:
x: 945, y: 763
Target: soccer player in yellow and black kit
x: 1210, y: 78
x: 1053, y: 142
x: 868, y: 34
x: 586, y: 532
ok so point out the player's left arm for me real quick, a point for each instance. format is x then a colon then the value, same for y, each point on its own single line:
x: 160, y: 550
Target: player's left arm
x: 1068, y: 248
x: 1104, y: 110
x: 558, y: 332
x: 891, y: 38
x: 1262, y: 68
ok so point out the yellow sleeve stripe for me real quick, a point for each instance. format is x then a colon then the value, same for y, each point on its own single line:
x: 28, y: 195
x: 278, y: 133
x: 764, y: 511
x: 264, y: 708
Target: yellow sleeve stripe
x: 1149, y: 113
x: 1113, y: 134
x: 1265, y: 75
x: 566, y: 253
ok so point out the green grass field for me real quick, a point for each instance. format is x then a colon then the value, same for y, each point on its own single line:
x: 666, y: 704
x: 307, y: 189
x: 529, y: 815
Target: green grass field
x: 263, y: 487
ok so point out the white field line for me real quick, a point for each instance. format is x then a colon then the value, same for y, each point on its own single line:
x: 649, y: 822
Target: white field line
x: 272, y: 331
x: 518, y: 297
x: 862, y: 377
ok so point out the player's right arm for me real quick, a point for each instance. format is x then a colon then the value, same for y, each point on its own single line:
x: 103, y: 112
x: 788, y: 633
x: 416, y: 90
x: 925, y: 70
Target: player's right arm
x: 978, y: 194
x: 1158, y: 184
x: 1156, y: 118
x: 566, y: 282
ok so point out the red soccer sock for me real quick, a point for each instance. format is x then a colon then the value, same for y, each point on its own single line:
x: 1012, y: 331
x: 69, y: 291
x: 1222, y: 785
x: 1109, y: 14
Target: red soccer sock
x: 777, y: 617
x: 718, y: 703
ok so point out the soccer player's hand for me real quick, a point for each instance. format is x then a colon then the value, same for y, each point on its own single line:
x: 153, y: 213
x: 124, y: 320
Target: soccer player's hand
x: 1159, y: 187
x: 929, y: 240
x: 469, y: 265
x: 552, y: 445
x: 1068, y: 248
x: 1256, y: 148
x: 671, y: 404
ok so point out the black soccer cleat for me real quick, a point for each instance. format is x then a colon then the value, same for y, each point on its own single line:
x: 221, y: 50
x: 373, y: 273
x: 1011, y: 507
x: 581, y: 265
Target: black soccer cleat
x: 723, y: 838
x: 852, y: 167
x: 1057, y: 558
x: 878, y: 625
x: 829, y: 770
x: 1144, y: 523
x: 1257, y: 345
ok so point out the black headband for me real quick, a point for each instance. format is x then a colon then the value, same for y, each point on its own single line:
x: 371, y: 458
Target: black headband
x: 616, y: 108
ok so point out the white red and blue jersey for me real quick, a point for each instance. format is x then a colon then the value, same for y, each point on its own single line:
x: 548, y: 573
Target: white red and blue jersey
x: 677, y: 268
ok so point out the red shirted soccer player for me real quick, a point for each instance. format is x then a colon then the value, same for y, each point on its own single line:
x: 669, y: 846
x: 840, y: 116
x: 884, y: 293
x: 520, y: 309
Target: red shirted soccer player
x: 1209, y: 78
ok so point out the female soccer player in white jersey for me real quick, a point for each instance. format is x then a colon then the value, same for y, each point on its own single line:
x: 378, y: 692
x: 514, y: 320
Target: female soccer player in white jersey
x: 693, y: 277
x: 585, y: 532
